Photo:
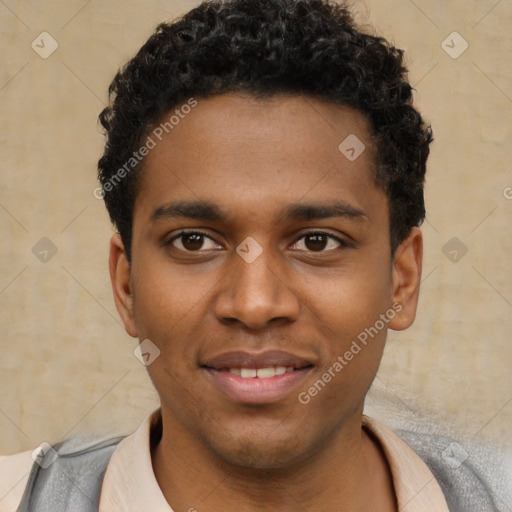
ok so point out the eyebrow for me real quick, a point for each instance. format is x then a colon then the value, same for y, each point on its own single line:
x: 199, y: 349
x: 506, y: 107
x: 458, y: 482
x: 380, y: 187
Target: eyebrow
x: 203, y: 210
x: 338, y: 208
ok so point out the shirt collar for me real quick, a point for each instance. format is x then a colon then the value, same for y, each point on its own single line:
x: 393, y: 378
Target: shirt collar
x: 130, y: 483
x: 416, y: 488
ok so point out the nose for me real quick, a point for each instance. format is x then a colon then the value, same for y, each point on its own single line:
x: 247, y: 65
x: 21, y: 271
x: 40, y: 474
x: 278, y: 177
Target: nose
x: 256, y: 294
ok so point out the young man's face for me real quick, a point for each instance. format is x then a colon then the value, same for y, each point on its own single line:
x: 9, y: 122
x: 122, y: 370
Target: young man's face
x: 256, y: 288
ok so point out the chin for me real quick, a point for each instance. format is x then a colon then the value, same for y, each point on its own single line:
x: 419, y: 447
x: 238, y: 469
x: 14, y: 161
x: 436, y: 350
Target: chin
x: 260, y: 456
x: 260, y: 450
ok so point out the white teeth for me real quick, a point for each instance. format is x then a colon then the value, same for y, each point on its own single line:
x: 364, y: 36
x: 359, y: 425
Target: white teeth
x: 265, y: 373
x: 280, y: 370
x: 262, y: 373
x: 247, y: 373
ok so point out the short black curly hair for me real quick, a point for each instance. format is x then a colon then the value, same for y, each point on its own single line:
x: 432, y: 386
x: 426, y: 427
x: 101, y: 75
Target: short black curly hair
x: 266, y: 47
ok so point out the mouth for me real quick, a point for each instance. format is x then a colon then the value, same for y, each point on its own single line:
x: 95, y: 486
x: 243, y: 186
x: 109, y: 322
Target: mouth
x: 256, y: 378
x: 261, y: 373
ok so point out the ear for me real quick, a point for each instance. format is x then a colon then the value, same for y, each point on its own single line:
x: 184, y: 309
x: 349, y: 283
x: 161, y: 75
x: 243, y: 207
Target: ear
x: 406, y: 279
x: 121, y: 283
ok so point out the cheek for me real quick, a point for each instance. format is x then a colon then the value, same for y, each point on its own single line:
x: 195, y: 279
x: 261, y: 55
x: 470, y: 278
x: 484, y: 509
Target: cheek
x: 167, y: 297
x: 349, y: 370
x: 350, y: 301
x: 348, y: 313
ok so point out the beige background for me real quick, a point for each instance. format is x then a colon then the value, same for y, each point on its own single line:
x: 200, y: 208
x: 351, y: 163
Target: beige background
x: 68, y: 366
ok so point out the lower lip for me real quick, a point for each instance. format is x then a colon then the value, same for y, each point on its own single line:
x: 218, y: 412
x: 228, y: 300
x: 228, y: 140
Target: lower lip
x: 256, y: 390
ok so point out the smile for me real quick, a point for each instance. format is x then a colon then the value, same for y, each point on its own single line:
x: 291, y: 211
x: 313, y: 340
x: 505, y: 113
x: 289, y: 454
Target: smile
x: 261, y: 373
x: 257, y: 378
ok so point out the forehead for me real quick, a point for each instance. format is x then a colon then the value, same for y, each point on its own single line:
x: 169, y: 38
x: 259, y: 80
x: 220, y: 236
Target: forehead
x: 248, y: 154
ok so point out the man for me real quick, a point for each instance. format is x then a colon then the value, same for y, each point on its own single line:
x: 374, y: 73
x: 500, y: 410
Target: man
x: 264, y: 168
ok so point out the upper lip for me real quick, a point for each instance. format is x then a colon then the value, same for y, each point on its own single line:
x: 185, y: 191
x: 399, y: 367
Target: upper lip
x: 243, y: 359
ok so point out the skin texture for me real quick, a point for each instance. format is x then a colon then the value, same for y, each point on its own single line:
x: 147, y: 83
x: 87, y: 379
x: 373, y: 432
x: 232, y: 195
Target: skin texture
x: 253, y: 158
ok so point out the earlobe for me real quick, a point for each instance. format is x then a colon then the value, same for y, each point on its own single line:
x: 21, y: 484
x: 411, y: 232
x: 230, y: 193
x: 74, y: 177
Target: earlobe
x: 406, y: 279
x: 121, y: 283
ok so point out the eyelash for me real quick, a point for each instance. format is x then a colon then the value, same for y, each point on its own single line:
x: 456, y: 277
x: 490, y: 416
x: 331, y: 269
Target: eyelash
x: 342, y: 242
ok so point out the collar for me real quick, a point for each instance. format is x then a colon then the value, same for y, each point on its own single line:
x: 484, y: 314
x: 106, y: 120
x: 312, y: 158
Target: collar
x: 130, y: 483
x: 416, y: 488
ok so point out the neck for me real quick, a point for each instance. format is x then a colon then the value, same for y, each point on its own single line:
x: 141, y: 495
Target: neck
x: 348, y: 473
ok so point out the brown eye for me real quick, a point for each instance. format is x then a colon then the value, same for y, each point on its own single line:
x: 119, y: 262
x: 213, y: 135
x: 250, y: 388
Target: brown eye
x: 316, y: 241
x: 192, y: 241
x: 320, y: 242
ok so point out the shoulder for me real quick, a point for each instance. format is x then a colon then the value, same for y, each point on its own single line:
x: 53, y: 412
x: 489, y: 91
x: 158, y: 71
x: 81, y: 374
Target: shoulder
x: 14, y: 473
x: 472, y: 476
x: 20, y: 471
